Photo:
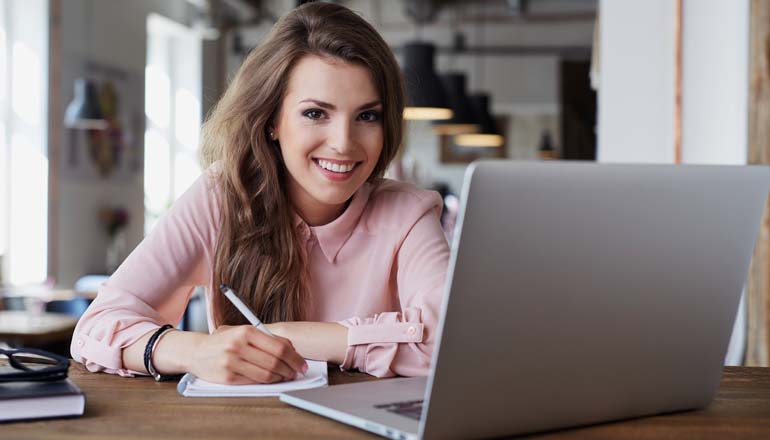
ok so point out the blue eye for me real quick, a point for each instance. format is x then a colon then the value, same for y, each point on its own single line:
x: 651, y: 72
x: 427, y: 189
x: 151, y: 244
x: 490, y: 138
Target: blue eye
x: 313, y: 114
x: 370, y: 116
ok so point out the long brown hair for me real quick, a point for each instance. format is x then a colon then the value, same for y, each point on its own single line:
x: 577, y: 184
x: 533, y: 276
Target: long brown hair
x: 259, y: 253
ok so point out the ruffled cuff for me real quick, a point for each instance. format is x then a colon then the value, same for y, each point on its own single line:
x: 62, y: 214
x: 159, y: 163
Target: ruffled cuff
x: 97, y: 355
x: 373, y: 341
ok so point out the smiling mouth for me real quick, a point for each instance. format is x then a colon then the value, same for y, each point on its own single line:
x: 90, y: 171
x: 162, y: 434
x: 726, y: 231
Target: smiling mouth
x: 339, y: 168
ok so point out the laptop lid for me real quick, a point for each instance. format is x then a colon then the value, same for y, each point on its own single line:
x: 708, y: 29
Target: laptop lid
x: 581, y: 293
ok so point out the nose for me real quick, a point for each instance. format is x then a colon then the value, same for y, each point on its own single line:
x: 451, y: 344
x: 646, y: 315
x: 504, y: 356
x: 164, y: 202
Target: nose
x: 341, y: 137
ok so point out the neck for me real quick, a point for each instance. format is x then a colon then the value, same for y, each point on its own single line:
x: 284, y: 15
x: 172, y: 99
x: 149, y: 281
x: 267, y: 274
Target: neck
x: 313, y: 212
x: 319, y: 215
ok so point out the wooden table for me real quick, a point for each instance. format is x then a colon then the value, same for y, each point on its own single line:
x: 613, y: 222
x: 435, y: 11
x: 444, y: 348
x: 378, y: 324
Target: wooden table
x: 140, y: 408
x: 34, y: 329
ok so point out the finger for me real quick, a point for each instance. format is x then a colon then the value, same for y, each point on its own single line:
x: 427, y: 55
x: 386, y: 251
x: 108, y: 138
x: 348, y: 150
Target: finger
x: 267, y: 361
x: 280, y: 348
x: 255, y: 373
x: 294, y: 359
x: 237, y: 379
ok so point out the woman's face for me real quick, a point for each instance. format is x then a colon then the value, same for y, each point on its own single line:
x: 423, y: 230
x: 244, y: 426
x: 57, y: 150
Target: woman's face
x: 330, y: 131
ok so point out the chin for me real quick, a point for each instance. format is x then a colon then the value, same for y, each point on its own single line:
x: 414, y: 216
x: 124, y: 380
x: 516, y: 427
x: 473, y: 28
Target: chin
x: 335, y: 196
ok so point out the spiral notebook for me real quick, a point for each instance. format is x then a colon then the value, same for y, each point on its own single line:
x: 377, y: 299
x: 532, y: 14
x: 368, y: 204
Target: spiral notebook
x: 316, y: 377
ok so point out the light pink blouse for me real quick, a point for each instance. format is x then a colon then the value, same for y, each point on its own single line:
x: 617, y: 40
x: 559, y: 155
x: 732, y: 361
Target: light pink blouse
x: 378, y: 269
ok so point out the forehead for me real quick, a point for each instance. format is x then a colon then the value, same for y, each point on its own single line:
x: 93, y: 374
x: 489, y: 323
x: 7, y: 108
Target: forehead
x: 330, y: 80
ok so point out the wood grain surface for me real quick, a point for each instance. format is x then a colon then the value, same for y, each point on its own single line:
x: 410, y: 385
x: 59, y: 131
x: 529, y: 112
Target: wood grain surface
x: 140, y: 408
x: 758, y: 283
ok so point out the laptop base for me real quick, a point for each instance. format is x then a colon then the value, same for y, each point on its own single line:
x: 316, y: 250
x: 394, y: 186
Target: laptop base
x: 355, y: 405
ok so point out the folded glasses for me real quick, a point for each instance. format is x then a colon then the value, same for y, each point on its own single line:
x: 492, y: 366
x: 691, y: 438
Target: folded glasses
x: 31, y: 365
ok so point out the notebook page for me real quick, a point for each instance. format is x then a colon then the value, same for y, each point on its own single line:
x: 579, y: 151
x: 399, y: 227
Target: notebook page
x: 316, y: 376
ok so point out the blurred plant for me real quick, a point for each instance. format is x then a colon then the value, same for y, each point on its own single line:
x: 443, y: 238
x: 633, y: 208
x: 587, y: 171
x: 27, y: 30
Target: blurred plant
x: 114, y: 219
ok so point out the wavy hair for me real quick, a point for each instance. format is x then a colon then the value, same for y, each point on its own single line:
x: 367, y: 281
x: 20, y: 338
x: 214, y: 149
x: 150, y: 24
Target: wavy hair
x: 259, y: 253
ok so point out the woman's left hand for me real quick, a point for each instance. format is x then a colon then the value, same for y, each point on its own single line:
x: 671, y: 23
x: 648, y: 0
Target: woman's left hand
x: 279, y: 329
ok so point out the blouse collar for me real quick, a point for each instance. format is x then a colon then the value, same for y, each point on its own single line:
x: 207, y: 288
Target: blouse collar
x: 332, y: 236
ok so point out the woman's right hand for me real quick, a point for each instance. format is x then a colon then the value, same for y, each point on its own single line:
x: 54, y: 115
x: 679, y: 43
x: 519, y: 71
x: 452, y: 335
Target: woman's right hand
x: 242, y: 354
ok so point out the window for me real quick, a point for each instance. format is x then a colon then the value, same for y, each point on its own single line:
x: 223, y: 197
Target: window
x: 23, y: 141
x: 173, y: 111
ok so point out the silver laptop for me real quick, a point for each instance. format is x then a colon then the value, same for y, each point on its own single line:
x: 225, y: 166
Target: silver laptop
x: 577, y: 293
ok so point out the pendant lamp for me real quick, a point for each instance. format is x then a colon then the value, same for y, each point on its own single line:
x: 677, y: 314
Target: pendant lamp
x: 426, y: 98
x: 462, y: 120
x: 487, y: 136
x: 84, y: 111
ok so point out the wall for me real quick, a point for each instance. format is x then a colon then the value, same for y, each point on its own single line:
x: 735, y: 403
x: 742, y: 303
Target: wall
x: 715, y: 74
x: 636, y: 97
x: 636, y: 105
x: 115, y: 37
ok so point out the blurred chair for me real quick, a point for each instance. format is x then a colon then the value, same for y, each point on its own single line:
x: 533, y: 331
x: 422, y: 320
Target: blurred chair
x: 196, y: 308
x: 13, y: 303
x: 88, y: 285
x: 74, y: 307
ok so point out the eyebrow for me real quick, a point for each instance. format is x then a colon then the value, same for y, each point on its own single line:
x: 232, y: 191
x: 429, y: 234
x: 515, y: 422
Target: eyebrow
x: 330, y: 106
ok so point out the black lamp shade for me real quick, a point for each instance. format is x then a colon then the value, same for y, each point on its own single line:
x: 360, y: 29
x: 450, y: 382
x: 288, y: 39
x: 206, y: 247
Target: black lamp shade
x: 462, y: 120
x: 426, y: 98
x: 480, y: 105
x: 84, y: 111
x: 487, y: 136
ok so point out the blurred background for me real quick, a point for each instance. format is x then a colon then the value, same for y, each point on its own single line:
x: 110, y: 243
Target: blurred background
x: 101, y: 102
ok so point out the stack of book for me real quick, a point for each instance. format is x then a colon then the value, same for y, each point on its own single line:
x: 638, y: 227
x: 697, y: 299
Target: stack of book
x: 40, y: 400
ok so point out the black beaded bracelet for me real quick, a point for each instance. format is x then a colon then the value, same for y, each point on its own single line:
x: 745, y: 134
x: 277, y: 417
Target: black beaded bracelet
x: 148, y: 355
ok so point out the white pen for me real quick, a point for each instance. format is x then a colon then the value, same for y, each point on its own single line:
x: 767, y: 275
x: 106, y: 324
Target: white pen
x: 248, y: 313
x: 244, y: 310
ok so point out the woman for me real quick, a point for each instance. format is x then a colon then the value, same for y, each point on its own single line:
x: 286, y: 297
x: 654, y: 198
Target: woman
x: 294, y: 216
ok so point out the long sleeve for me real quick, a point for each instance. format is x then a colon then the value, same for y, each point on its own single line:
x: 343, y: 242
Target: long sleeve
x: 154, y: 284
x: 401, y: 342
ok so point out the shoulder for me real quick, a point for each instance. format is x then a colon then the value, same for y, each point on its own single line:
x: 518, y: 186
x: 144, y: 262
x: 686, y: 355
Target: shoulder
x: 394, y: 192
x: 207, y: 187
x: 212, y: 176
x: 394, y: 204
x: 201, y: 201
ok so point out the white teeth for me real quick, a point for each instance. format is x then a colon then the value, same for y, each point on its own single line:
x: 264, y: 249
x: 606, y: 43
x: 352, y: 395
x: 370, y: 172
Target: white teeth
x: 337, y: 168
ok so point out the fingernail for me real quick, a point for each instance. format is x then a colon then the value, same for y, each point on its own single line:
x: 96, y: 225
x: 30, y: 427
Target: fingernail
x: 305, y: 367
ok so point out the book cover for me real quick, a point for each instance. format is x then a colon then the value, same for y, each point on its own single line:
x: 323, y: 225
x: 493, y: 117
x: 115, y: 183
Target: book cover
x: 40, y: 400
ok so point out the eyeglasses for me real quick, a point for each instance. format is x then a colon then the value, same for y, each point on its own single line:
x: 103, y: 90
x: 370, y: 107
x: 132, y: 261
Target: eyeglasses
x: 31, y: 365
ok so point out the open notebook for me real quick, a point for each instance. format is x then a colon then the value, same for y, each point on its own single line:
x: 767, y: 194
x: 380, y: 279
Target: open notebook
x: 316, y: 377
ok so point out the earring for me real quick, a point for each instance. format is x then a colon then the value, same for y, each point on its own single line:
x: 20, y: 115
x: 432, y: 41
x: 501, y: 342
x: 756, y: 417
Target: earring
x: 272, y: 135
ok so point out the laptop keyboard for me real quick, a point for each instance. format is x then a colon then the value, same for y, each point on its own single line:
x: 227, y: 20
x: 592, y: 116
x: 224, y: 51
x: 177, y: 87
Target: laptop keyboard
x: 410, y: 408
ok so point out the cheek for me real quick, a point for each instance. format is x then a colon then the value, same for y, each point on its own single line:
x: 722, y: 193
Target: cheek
x: 374, y: 148
x: 297, y: 146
